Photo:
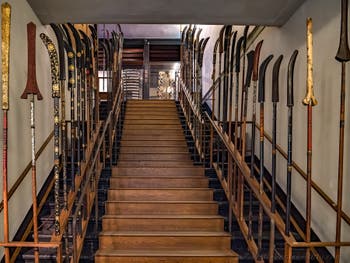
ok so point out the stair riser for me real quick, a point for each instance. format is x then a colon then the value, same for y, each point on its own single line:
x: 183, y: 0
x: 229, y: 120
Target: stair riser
x: 147, y: 117
x: 154, y: 132
x: 154, y: 157
x: 150, y: 143
x: 191, y: 171
x: 165, y: 242
x: 155, y: 149
x: 114, y: 208
x: 145, y: 224
x: 111, y: 259
x: 152, y: 137
x: 176, y: 127
x: 159, y: 195
x: 152, y: 122
x: 163, y: 164
x: 158, y: 182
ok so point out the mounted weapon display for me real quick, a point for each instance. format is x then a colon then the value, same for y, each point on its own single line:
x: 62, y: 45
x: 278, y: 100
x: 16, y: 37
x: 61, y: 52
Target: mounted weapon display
x: 32, y: 89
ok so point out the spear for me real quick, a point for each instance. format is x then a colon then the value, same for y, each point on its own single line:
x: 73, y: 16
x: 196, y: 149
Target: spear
x: 343, y: 56
x: 5, y: 56
x: 32, y: 90
x: 233, y: 45
x: 261, y: 100
x: 290, y: 104
x: 309, y: 101
x: 227, y: 41
x: 56, y: 96
x: 275, y: 99
x: 252, y: 161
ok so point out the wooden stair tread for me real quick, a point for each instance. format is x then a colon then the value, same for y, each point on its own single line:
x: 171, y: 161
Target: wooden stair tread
x: 194, y: 177
x: 167, y: 216
x: 163, y: 202
x: 165, y: 189
x: 168, y: 253
x: 166, y: 233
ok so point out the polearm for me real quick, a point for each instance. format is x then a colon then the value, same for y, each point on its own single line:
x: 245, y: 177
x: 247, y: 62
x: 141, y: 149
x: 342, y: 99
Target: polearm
x: 78, y: 53
x: 237, y: 71
x: 56, y: 96
x: 95, y: 76
x: 62, y: 80
x: 221, y: 50
x: 343, y: 56
x: 32, y: 89
x: 5, y: 57
x: 309, y: 101
x: 213, y: 77
x: 290, y: 104
x: 275, y: 99
x: 252, y: 144
x: 244, y: 49
x: 71, y: 88
x: 233, y: 45
x: 227, y: 42
x: 88, y: 74
x: 261, y: 100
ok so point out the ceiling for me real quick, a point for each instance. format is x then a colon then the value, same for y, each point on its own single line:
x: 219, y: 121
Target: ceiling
x: 238, y: 12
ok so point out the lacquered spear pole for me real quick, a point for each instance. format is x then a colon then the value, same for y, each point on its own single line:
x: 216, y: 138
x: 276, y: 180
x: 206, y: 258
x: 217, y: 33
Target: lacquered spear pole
x: 213, y: 77
x: 221, y: 51
x: 237, y: 71
x: 309, y: 101
x: 5, y: 57
x: 275, y: 99
x: 227, y: 42
x: 32, y: 89
x: 252, y: 144
x: 261, y: 100
x: 230, y: 161
x: 71, y: 88
x: 56, y: 96
x: 62, y: 79
x: 78, y: 53
x: 290, y: 104
x: 95, y: 76
x: 343, y: 56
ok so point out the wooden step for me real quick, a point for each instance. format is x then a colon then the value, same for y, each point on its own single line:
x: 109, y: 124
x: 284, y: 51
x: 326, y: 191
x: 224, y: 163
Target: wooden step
x: 166, y: 127
x: 158, y: 182
x: 161, y: 207
x: 168, y: 256
x: 153, y: 122
x: 156, y: 164
x: 145, y: 171
x: 147, y: 102
x: 164, y: 194
x: 151, y: 106
x: 162, y: 223
x: 182, y: 240
x: 153, y: 135
x: 147, y: 117
x: 154, y: 149
x: 154, y: 157
x: 151, y: 110
x: 154, y: 143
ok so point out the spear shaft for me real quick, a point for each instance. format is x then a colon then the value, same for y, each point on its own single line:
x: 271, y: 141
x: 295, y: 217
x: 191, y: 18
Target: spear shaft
x: 309, y: 101
x: 343, y: 56
x: 5, y: 52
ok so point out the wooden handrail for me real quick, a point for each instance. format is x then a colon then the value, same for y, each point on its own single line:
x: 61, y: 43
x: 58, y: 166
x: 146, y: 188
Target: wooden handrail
x: 26, y: 170
x: 300, y: 171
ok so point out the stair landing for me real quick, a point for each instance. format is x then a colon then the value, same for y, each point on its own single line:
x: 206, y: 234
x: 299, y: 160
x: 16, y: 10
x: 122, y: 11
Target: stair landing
x: 160, y: 207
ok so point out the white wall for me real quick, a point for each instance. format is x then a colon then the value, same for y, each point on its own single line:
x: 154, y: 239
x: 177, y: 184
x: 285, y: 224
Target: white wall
x: 283, y: 40
x: 19, y: 148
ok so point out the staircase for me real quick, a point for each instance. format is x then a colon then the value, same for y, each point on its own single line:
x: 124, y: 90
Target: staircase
x: 160, y: 207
